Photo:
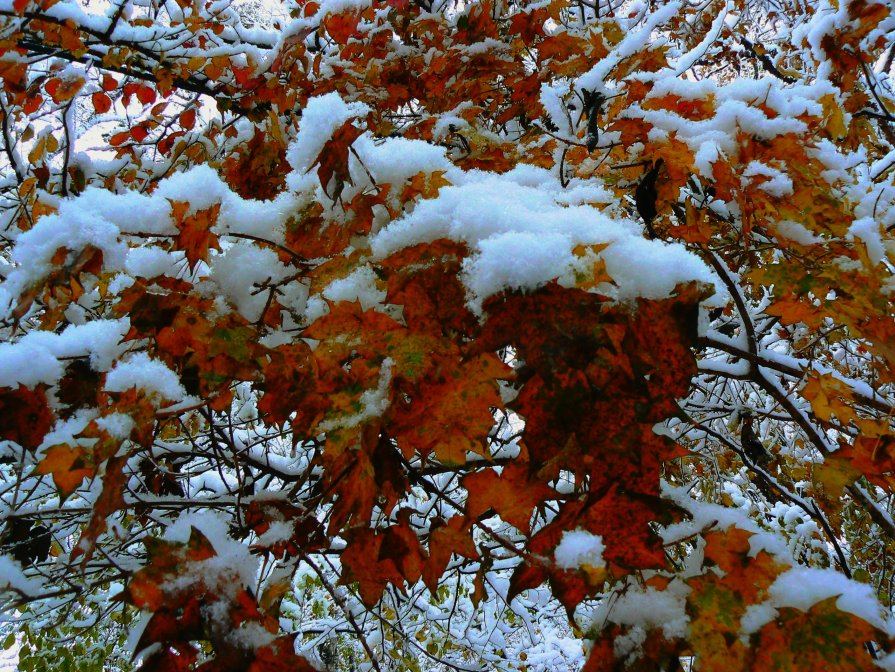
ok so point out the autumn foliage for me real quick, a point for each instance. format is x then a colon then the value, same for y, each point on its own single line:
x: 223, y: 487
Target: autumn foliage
x: 400, y: 334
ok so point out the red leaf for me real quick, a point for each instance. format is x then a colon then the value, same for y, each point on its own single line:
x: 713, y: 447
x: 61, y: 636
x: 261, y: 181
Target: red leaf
x: 145, y: 94
x: 62, y: 90
x: 110, y: 500
x: 129, y: 90
x: 170, y: 625
x: 290, y: 387
x: 341, y: 26
x: 148, y: 589
x: 258, y: 169
x: 188, y: 119
x: 402, y: 547
x: 32, y: 103
x: 178, y: 657
x: 165, y: 145
x: 101, y: 102
x: 280, y: 656
x: 25, y: 416
x: 139, y: 133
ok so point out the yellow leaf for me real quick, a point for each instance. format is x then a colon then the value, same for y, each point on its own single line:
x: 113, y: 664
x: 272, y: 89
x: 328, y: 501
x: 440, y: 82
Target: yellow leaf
x: 828, y: 396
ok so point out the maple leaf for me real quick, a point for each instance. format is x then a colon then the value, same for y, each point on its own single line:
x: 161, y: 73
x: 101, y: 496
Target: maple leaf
x: 279, y: 656
x: 25, y: 416
x: 794, y: 310
x: 452, y: 417
x: 363, y: 564
x: 68, y: 465
x: 872, y: 455
x: 351, y: 477
x: 179, y: 657
x: 512, y: 494
x: 146, y: 588
x: 307, y: 533
x: 447, y: 538
x: 289, y: 384
x: 717, y: 603
x: 623, y: 520
x: 536, y: 569
x: 402, y: 547
x: 391, y: 481
x: 258, y: 170
x: 823, y: 637
x: 828, y: 396
x: 332, y: 161
x: 424, y: 279
x: 78, y: 388
x: 195, y: 237
x: 172, y: 625
x: 340, y: 27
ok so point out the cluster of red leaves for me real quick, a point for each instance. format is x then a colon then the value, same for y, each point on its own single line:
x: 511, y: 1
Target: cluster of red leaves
x: 186, y: 606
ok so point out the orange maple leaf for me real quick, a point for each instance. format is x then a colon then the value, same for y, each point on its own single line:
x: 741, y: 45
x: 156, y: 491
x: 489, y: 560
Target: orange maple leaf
x: 195, y: 237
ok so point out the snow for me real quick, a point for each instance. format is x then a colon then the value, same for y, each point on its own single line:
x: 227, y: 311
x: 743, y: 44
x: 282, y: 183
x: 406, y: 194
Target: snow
x: 645, y: 608
x: 633, y: 42
x: 867, y: 230
x: 803, y: 587
x: 579, y: 548
x: 118, y: 425
x: 516, y: 216
x: 551, y: 100
x: 233, y: 566
x: 796, y: 232
x: 279, y: 531
x: 250, y: 635
x: 778, y: 184
x: 797, y: 587
x: 150, y: 262
x: 395, y: 160
x: 360, y: 285
x: 705, y: 515
x: 149, y: 375
x: 107, y: 220
x: 240, y: 269
x: 13, y: 578
x: 34, y: 358
x: 73, y: 228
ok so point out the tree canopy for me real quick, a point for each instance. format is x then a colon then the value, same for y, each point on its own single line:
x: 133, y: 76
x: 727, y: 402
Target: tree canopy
x: 440, y: 335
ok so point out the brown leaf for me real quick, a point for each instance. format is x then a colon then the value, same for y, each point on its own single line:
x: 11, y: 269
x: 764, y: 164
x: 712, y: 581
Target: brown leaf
x: 362, y: 564
x: 451, y: 537
x: 512, y: 494
x: 333, y: 170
